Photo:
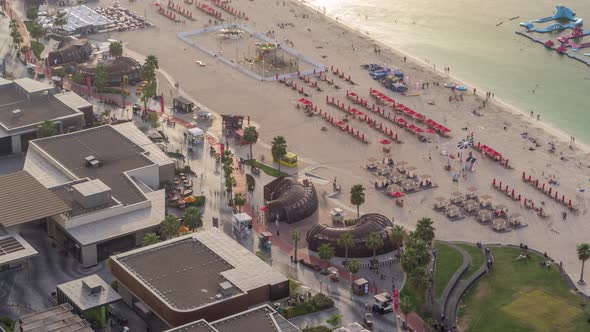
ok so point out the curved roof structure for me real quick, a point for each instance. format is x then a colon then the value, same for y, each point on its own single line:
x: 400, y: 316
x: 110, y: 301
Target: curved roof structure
x: 289, y: 200
x: 122, y: 65
x: 368, y: 223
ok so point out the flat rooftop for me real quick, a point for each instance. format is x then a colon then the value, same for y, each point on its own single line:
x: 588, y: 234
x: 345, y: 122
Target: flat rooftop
x: 56, y: 319
x: 189, y: 280
x: 66, y: 193
x: 14, y: 248
x: 80, y: 293
x: 116, y: 153
x: 17, y: 111
x: 201, y: 262
x: 24, y: 199
x: 259, y: 319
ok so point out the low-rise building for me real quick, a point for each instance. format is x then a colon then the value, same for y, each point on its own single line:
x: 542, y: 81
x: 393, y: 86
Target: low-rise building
x: 110, y: 177
x: 56, y: 319
x: 260, y: 319
x: 26, y: 103
x: 211, y: 277
x: 86, y: 294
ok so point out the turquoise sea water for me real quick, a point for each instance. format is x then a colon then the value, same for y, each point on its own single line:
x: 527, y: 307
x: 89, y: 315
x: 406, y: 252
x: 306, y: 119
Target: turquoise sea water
x: 462, y: 35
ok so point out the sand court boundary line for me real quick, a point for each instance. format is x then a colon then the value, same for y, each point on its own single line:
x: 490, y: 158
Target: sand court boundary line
x: 317, y: 67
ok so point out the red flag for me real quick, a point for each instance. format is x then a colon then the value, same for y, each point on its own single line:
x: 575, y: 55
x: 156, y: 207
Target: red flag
x: 162, y: 103
x: 396, y: 300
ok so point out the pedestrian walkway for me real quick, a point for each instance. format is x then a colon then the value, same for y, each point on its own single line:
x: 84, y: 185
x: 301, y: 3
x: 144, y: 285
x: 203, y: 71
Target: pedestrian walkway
x: 448, y: 303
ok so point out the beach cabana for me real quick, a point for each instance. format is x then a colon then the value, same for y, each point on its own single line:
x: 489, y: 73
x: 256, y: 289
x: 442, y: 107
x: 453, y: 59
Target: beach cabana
x: 500, y: 210
x: 411, y: 171
x: 471, y: 193
x: 383, y: 170
x: 393, y: 188
x: 457, y: 197
x: 470, y: 205
x: 453, y: 212
x: 409, y: 185
x: 500, y: 225
x: 371, y: 163
x: 515, y: 220
x: 441, y: 202
x: 396, y: 177
x: 401, y: 166
x: 381, y: 182
x: 485, y: 216
x: 485, y: 201
x: 425, y: 180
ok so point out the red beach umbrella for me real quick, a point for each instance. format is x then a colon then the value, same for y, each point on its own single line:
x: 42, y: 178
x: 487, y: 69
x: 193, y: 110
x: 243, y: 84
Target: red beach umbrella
x: 385, y: 141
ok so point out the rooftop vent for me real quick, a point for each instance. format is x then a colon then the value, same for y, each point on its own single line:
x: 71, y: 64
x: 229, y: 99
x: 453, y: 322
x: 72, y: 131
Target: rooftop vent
x: 17, y: 113
x: 225, y: 288
x: 91, y: 161
x: 92, y: 286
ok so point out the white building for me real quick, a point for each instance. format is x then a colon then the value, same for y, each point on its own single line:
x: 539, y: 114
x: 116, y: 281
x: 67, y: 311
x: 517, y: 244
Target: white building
x: 26, y: 103
x: 110, y: 177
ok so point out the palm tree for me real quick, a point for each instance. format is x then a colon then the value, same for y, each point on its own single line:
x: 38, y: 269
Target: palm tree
x: 353, y: 266
x: 153, y: 61
x: 425, y: 230
x: 374, y: 242
x: 398, y: 235
x: 406, y: 305
x: 326, y: 252
x: 36, y: 31
x: 116, y: 49
x: 170, y: 227
x: 279, y: 149
x: 239, y: 200
x: 295, y: 236
x: 60, y: 20
x: 17, y: 38
x: 346, y: 240
x: 193, y: 218
x: 357, y: 197
x: 47, y: 129
x: 419, y: 279
x: 101, y: 77
x: 230, y: 183
x: 251, y: 136
x: 583, y: 255
x: 149, y: 239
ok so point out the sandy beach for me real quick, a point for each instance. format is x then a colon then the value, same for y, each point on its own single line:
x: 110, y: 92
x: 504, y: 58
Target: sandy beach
x: 332, y: 153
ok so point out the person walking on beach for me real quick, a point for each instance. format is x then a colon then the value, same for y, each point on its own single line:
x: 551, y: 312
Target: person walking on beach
x: 538, y: 117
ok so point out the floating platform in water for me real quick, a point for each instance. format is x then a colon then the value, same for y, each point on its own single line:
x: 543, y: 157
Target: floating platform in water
x: 569, y: 52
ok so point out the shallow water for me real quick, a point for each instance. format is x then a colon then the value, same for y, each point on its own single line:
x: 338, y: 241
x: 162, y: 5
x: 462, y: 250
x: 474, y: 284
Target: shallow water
x: 462, y: 35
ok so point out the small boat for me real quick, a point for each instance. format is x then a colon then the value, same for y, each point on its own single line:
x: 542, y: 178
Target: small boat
x: 460, y: 88
x: 449, y: 85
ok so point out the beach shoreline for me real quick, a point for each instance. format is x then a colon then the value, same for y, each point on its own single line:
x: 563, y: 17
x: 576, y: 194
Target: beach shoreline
x: 548, y: 127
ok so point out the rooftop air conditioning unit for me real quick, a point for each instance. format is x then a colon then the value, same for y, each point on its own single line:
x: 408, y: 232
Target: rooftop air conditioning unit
x: 17, y: 113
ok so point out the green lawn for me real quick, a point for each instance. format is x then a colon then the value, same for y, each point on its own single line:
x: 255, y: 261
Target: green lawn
x: 477, y: 258
x: 522, y: 296
x: 447, y: 262
x: 265, y: 168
